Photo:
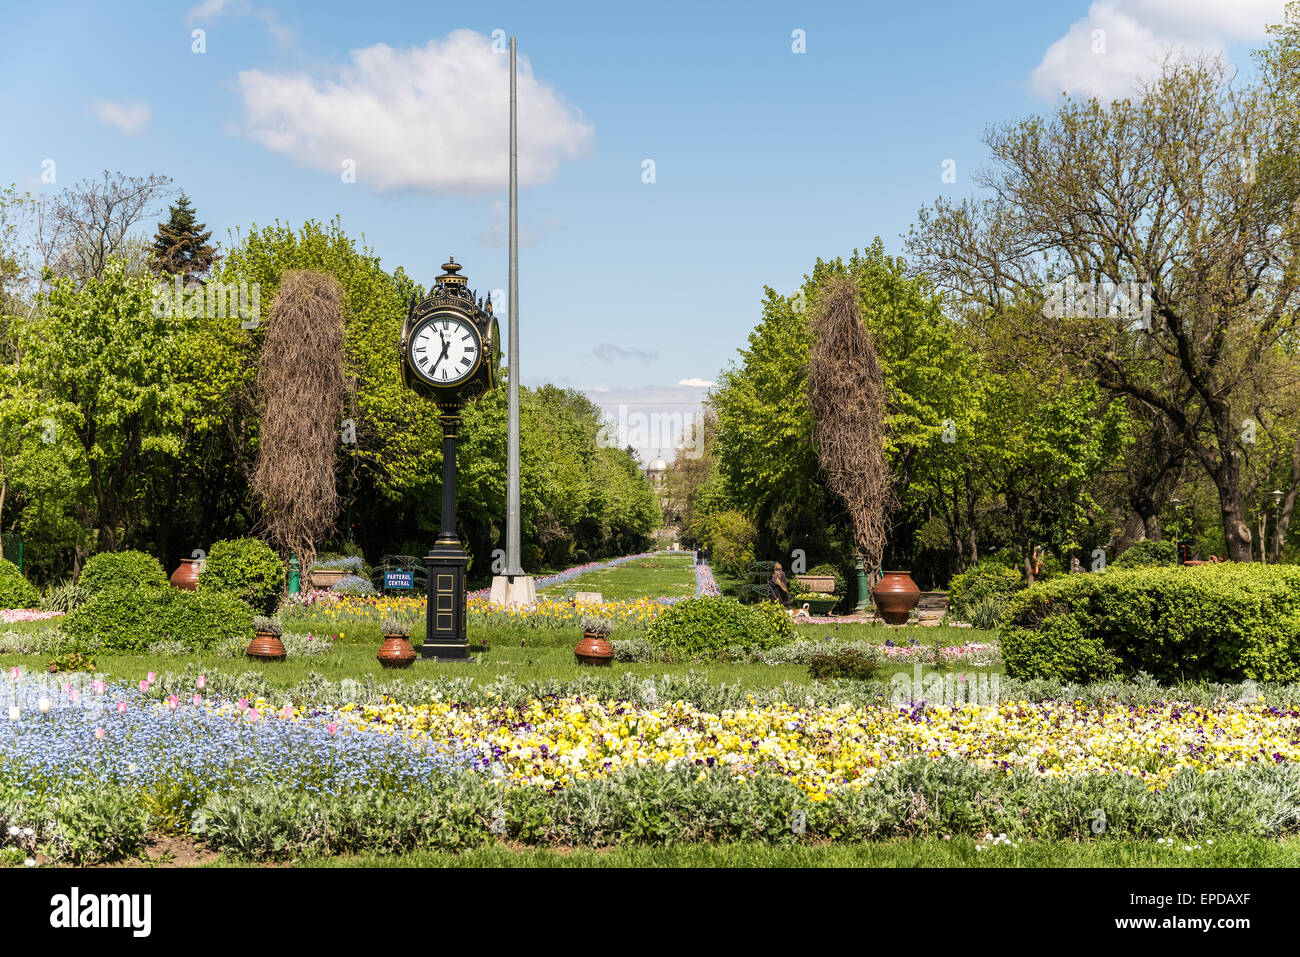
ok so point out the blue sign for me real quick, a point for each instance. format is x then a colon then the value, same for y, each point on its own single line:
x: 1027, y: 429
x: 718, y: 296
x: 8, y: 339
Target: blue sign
x: 399, y: 579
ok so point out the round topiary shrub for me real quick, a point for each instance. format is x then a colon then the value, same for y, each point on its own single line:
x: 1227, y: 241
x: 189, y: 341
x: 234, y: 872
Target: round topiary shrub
x: 246, y: 568
x: 131, y: 620
x: 15, y: 590
x: 707, y: 627
x: 1147, y: 554
x: 117, y: 570
x: 988, y: 579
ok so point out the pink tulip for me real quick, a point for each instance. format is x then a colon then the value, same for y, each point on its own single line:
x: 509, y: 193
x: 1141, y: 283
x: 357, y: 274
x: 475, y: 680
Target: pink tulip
x: 243, y: 704
x: 173, y: 701
x: 202, y: 682
x: 13, y: 673
x: 152, y: 677
x: 252, y: 714
x: 288, y: 711
x: 331, y: 727
x: 198, y: 699
x: 144, y: 686
x: 66, y: 687
x: 73, y: 696
x: 98, y: 686
x: 121, y: 707
x: 99, y: 734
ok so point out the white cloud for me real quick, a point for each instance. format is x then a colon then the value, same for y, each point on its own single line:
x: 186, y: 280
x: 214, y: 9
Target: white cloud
x: 129, y: 116
x: 430, y: 118
x: 1113, y: 49
x: 697, y: 383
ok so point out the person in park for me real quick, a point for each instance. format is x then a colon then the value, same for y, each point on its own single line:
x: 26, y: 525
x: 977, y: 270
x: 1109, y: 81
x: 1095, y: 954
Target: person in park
x: 780, y: 585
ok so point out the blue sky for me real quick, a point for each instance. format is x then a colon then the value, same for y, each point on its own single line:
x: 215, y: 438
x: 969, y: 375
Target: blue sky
x: 764, y: 158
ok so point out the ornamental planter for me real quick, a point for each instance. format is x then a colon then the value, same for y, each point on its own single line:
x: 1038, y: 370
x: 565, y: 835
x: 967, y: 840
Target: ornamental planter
x: 823, y: 584
x: 820, y: 607
x: 186, y: 577
x: 593, y: 650
x: 267, y: 646
x: 895, y: 596
x: 326, y: 577
x: 396, y: 652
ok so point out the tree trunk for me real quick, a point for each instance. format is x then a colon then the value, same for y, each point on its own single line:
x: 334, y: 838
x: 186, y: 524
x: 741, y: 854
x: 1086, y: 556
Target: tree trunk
x: 1235, y: 530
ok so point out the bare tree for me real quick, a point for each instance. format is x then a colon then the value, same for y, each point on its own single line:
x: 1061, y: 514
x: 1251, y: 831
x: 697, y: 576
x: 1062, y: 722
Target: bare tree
x: 83, y: 227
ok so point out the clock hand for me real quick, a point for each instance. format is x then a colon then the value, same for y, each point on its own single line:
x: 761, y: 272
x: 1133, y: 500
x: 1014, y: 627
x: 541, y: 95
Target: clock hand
x: 442, y: 355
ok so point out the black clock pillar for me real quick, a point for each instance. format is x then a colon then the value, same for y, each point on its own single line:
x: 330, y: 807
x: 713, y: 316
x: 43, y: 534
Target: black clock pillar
x: 445, y: 638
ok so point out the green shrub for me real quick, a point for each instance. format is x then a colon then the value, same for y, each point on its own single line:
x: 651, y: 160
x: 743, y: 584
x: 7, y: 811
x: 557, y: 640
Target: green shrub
x: 777, y: 619
x: 1147, y: 553
x: 15, y: 590
x: 131, y: 620
x: 117, y: 570
x: 856, y: 664
x: 706, y: 627
x: 1217, y: 622
x: 988, y: 579
x: 246, y: 568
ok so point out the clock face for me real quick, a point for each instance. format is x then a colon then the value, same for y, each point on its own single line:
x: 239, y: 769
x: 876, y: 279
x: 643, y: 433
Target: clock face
x: 444, y: 350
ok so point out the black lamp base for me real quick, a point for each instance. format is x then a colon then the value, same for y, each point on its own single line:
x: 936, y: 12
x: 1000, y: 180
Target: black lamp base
x: 445, y: 636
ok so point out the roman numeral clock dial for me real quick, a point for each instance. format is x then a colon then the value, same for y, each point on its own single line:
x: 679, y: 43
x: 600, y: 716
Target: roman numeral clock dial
x: 444, y: 350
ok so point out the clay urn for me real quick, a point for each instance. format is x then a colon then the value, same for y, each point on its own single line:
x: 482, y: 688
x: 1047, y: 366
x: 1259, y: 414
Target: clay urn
x: 895, y: 596
x: 396, y: 652
x: 267, y: 646
x: 593, y: 649
x: 186, y: 577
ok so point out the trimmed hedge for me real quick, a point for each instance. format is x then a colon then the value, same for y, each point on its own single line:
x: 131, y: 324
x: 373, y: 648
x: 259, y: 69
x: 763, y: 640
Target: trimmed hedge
x: 15, y: 590
x: 246, y: 568
x: 130, y: 620
x: 1222, y: 622
x: 707, y: 627
x: 990, y: 578
x: 1147, y: 554
x: 118, y: 570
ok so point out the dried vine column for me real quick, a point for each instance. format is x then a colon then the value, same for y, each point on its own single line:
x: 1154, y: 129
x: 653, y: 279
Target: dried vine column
x: 846, y: 392
x: 301, y: 389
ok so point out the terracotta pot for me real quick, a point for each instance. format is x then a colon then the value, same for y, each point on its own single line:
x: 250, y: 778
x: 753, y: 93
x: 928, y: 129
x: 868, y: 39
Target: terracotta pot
x: 593, y: 650
x: 326, y: 577
x: 396, y: 652
x: 895, y: 596
x: 266, y: 646
x: 186, y: 577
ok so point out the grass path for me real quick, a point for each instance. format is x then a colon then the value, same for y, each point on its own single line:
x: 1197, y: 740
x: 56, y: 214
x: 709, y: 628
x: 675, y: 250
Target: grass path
x: 657, y: 576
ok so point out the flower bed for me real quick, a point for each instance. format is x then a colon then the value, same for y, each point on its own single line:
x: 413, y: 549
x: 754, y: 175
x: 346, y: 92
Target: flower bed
x: 558, y: 741
x: 9, y: 616
x: 453, y: 766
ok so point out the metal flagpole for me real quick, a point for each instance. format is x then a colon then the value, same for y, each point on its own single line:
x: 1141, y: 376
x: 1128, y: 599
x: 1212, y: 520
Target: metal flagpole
x: 513, y: 567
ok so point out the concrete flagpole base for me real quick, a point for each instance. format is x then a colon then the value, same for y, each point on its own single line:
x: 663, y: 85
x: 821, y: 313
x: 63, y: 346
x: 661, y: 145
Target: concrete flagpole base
x: 513, y: 591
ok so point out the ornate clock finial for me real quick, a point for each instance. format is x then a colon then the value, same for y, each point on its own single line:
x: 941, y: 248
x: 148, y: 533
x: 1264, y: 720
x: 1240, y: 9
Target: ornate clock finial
x: 451, y: 274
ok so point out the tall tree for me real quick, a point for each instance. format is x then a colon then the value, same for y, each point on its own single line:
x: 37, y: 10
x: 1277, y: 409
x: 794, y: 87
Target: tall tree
x: 1167, y: 192
x: 180, y: 247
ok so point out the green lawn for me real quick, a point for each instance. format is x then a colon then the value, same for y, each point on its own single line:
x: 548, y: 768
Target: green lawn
x: 1225, y: 851
x: 659, y: 576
